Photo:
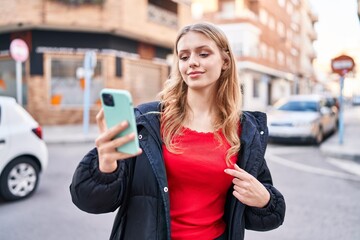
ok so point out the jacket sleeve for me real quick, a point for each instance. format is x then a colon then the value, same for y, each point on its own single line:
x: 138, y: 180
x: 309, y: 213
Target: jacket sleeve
x: 96, y: 192
x: 273, y: 214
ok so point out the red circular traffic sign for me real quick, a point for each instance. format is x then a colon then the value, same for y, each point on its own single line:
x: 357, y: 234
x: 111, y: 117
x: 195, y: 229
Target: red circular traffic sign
x: 342, y: 64
x: 19, y: 51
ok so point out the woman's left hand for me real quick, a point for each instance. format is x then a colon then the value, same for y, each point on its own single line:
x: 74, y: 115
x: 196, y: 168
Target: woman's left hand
x: 247, y: 189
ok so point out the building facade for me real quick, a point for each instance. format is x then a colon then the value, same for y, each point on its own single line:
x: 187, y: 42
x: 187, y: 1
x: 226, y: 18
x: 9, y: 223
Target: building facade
x: 132, y: 39
x: 272, y: 40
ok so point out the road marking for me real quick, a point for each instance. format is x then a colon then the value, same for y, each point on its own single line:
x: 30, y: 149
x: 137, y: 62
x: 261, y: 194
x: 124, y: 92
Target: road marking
x: 289, y: 149
x: 347, y: 165
x: 310, y: 169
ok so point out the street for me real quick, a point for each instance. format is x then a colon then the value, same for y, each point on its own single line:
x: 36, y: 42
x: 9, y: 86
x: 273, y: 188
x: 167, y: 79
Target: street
x: 322, y: 200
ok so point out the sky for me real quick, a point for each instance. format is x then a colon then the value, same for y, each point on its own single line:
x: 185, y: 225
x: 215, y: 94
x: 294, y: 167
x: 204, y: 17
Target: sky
x: 338, y: 31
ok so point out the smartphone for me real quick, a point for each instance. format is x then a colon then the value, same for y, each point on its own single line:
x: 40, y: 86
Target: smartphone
x: 118, y: 107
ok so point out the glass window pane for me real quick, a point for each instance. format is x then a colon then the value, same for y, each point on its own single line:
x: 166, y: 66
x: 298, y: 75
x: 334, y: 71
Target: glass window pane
x: 67, y: 89
x: 8, y: 79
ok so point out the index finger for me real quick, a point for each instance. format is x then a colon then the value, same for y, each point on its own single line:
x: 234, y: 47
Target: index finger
x: 237, y: 172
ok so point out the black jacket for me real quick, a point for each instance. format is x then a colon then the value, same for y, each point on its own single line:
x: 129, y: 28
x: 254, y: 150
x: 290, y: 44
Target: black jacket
x: 138, y: 188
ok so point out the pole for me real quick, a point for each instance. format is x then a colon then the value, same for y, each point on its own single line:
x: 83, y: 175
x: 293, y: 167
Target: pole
x: 87, y: 70
x: 89, y: 65
x: 341, y: 114
x: 19, y: 82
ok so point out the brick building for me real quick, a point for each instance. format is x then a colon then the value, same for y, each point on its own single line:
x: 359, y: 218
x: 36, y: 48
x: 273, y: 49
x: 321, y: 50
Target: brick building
x: 132, y: 40
x: 273, y: 43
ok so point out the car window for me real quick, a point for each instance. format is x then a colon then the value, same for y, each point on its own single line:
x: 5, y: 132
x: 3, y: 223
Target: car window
x: 300, y: 106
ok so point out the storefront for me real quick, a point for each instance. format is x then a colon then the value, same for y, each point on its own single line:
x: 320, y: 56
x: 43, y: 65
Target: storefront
x: 52, y: 89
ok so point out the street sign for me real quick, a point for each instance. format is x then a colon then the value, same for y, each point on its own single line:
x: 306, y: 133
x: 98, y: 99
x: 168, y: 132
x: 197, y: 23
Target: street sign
x: 19, y: 51
x: 342, y: 64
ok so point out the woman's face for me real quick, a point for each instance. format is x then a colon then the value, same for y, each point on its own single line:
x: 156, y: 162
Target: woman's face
x: 200, y: 61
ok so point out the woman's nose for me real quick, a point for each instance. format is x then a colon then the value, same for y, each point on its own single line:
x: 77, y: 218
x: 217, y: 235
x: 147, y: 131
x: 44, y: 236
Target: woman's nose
x: 193, y: 61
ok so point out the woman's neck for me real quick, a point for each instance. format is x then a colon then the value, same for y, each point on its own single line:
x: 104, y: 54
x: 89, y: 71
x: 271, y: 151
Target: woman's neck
x: 202, y: 112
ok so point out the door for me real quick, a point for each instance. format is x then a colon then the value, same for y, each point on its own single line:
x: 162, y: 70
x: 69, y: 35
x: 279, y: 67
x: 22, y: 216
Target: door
x: 4, y: 137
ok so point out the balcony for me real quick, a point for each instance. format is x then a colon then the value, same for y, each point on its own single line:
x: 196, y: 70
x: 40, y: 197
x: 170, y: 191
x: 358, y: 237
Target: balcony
x: 162, y: 16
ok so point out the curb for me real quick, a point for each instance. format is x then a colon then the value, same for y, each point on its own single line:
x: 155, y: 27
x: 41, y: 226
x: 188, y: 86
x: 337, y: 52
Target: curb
x: 73, y: 140
x: 340, y: 152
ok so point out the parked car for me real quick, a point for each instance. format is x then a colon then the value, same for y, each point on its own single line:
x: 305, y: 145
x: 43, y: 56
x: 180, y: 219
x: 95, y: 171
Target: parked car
x: 23, y: 153
x: 301, y: 118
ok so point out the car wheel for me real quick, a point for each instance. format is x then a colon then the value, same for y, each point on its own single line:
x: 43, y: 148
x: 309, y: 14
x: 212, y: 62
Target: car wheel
x: 19, y: 179
x: 319, y: 136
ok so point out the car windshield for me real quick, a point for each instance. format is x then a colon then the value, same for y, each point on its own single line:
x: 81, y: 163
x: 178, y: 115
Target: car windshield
x: 300, y: 106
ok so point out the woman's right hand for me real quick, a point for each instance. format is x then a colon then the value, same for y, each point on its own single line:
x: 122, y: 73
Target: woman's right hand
x: 106, y: 144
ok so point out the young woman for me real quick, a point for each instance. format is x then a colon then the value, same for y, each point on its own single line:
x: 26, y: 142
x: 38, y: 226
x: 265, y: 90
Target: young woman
x: 200, y: 173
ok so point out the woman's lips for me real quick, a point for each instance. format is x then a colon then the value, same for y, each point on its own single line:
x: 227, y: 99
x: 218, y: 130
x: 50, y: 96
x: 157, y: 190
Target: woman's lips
x: 195, y: 74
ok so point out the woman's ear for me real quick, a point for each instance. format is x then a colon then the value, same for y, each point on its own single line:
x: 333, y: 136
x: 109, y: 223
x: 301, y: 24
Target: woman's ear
x: 225, y: 64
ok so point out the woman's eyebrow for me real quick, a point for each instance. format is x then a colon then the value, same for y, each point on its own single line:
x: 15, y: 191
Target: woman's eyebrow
x: 197, y: 48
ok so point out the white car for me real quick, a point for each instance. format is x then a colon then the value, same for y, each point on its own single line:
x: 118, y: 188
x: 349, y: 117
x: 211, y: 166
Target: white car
x: 23, y: 153
x: 301, y: 118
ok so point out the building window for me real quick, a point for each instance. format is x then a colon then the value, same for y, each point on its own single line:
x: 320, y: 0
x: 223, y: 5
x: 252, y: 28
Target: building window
x: 238, y: 49
x: 271, y: 23
x: 280, y: 58
x: 8, y: 79
x: 281, y: 29
x: 263, y: 16
x: 68, y: 90
x: 289, y: 8
x: 281, y: 3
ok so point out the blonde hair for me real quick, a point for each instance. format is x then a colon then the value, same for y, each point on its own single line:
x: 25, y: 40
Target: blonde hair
x: 228, y: 98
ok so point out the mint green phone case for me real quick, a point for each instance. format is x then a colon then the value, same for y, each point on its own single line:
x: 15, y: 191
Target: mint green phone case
x: 118, y: 107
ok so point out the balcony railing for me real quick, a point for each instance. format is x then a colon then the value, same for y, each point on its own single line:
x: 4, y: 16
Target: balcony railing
x: 163, y: 17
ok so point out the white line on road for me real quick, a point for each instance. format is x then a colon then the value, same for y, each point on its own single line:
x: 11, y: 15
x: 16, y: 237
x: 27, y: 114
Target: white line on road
x: 347, y: 165
x: 310, y: 169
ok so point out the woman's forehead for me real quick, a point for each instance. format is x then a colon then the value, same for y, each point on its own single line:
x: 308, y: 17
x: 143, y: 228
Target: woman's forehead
x: 194, y: 40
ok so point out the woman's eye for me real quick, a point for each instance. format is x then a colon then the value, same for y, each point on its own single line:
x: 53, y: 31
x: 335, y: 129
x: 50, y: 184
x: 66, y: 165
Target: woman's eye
x: 203, y: 54
x: 183, y: 58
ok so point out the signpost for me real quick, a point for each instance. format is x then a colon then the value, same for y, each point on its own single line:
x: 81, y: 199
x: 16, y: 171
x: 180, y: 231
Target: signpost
x: 342, y: 65
x: 19, y: 51
x: 89, y: 65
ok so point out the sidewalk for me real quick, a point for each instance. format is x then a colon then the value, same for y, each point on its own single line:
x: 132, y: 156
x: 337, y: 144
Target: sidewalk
x: 69, y: 134
x: 350, y: 149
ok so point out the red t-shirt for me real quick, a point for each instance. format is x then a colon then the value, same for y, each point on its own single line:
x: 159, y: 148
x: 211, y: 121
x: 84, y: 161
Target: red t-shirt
x: 197, y: 185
